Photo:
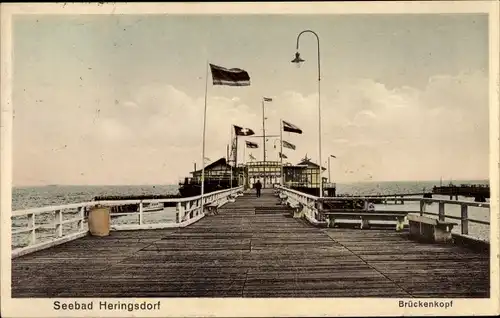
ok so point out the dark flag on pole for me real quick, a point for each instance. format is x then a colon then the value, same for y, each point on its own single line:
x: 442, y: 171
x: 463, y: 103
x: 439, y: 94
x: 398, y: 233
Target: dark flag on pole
x: 251, y: 144
x: 240, y: 131
x: 268, y: 99
x: 229, y: 77
x: 286, y: 144
x: 291, y: 128
x: 282, y: 155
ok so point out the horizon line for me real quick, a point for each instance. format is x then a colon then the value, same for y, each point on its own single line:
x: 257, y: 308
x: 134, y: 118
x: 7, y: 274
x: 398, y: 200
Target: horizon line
x: 176, y: 184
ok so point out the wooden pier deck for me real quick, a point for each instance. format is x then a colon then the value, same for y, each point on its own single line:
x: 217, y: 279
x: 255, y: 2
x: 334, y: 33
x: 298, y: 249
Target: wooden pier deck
x: 251, y: 249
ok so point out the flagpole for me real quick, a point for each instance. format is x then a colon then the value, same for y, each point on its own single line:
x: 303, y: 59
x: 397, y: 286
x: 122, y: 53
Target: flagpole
x: 281, y: 150
x: 236, y: 151
x: 264, y: 142
x: 230, y: 166
x: 203, y: 147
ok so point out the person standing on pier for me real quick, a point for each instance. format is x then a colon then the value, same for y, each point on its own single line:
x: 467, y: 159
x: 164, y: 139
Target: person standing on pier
x: 258, y: 186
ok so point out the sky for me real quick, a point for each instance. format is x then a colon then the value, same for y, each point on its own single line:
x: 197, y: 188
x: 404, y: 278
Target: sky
x: 119, y: 99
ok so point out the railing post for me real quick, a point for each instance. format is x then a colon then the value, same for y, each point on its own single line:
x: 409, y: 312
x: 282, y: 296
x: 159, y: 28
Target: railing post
x: 31, y: 224
x: 82, y: 217
x: 441, y: 215
x: 58, y: 221
x: 178, y: 209
x: 319, y: 209
x: 464, y: 216
x: 422, y: 207
x: 141, y: 211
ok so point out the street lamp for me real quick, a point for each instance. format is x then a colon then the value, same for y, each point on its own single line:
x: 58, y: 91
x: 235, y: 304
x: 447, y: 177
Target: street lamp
x: 299, y: 60
x: 329, y: 176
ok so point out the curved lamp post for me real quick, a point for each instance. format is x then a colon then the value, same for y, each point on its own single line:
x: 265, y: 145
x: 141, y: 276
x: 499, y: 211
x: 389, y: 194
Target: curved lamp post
x: 299, y: 60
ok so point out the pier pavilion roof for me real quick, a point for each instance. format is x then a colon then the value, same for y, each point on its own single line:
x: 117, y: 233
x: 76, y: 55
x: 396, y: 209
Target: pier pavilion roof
x: 221, y: 162
x: 307, y: 162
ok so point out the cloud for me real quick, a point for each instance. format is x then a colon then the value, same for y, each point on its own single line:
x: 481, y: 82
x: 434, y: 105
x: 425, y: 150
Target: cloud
x: 154, y: 133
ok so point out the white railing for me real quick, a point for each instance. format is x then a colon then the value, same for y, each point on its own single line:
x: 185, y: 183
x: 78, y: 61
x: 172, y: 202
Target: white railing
x: 187, y: 210
x: 313, y: 207
x: 39, y: 228
x: 464, y: 211
x: 306, y: 203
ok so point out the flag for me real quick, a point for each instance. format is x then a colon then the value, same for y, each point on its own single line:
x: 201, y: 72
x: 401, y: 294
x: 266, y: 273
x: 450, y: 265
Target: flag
x: 291, y: 128
x: 286, y: 144
x: 268, y: 99
x: 251, y: 144
x: 229, y: 77
x: 282, y: 155
x: 251, y: 157
x: 240, y: 131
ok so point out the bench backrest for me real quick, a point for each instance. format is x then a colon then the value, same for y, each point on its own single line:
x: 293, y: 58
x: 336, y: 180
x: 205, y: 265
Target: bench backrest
x: 367, y: 215
x: 422, y: 219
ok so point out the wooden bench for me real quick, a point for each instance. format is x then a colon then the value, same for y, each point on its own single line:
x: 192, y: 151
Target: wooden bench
x: 296, y: 209
x: 430, y: 229
x: 365, y: 217
x: 211, y: 208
